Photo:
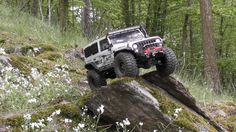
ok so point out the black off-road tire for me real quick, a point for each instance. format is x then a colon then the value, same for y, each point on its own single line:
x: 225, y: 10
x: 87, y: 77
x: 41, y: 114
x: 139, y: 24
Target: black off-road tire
x: 167, y: 63
x: 125, y: 65
x: 95, y: 80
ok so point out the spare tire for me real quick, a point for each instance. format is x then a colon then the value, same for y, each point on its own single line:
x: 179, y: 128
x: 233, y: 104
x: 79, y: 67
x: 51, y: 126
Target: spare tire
x: 95, y: 80
x: 166, y: 64
x: 125, y: 65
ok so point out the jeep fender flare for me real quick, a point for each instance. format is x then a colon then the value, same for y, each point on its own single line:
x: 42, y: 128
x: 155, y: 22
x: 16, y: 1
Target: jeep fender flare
x: 125, y: 50
x: 90, y: 66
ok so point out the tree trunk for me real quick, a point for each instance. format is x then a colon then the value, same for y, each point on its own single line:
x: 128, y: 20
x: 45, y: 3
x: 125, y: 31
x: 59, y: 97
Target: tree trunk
x: 87, y: 19
x: 185, y: 38
x: 163, y: 19
x: 49, y: 12
x: 63, y: 14
x: 132, y: 12
x: 191, y: 43
x: 148, y: 18
x: 210, y: 65
x: 126, y: 12
x: 139, y: 11
x: 34, y: 9
x: 221, y: 33
x: 41, y: 9
x: 186, y: 34
x: 156, y: 22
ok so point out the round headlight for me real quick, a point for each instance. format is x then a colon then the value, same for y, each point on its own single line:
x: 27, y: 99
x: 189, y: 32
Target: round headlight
x: 135, y: 46
x: 158, y: 40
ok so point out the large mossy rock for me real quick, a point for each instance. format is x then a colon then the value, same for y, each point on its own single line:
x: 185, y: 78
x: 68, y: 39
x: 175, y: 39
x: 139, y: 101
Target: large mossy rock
x: 153, y: 101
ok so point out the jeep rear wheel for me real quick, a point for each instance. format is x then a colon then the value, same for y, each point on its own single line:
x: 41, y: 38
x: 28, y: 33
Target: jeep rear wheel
x: 125, y: 65
x: 167, y: 64
x: 95, y: 80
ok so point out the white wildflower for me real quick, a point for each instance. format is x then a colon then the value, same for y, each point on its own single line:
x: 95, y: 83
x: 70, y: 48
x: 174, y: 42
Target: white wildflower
x: 34, y: 125
x: 9, y: 68
x: 76, y: 129
x: 100, y: 109
x: 65, y: 66
x: 178, y: 110
x: 27, y: 116
x: 126, y: 122
x: 121, y: 124
x: 67, y: 120
x: 36, y: 50
x: 27, y: 94
x: 58, y: 112
x: 49, y: 119
x: 41, y: 120
x: 81, y: 125
x: 176, y: 115
x: 40, y: 124
x: 35, y: 73
x: 32, y: 100
x: 141, y: 123
x: 154, y: 130
x: 2, y: 51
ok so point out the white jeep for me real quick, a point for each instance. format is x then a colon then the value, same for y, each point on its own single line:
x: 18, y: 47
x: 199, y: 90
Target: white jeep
x: 122, y: 52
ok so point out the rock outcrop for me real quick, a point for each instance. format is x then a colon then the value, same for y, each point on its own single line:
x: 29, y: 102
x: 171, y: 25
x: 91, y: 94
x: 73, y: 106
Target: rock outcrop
x: 162, y: 104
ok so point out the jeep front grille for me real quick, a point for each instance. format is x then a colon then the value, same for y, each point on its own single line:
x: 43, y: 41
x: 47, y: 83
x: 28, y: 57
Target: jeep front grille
x: 148, y: 43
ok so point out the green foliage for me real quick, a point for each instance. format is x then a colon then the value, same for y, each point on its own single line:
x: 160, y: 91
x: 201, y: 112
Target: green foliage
x: 24, y: 25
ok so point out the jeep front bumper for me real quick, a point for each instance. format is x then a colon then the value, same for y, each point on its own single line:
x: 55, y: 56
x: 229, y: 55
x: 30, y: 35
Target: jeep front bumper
x: 153, y: 52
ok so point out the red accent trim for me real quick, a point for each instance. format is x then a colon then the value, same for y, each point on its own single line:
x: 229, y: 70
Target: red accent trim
x: 149, y: 50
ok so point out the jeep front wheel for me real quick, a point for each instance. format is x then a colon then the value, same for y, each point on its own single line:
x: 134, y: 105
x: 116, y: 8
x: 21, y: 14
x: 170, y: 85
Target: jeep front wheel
x: 95, y: 80
x: 125, y: 65
x: 167, y: 64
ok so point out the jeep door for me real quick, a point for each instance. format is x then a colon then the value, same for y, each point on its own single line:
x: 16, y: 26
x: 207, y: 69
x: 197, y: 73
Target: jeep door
x: 105, y: 56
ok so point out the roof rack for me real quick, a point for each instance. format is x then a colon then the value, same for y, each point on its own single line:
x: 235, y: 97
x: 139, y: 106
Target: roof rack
x: 127, y: 30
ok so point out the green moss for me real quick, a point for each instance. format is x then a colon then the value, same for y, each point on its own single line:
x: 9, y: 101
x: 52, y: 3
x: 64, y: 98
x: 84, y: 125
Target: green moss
x: 48, y: 47
x: 21, y: 63
x: 24, y: 64
x: 69, y: 110
x: 76, y: 75
x: 183, y: 121
x: 228, y: 122
x: 2, y: 41
x: 49, y: 55
x: 166, y: 105
x: 15, y: 121
x: 83, y: 99
x: 121, y: 80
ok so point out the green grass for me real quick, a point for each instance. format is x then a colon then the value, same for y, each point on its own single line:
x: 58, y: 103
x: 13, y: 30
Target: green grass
x: 200, y: 89
x: 25, y: 26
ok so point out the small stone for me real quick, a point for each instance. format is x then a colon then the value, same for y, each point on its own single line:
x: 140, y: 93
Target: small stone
x: 219, y: 113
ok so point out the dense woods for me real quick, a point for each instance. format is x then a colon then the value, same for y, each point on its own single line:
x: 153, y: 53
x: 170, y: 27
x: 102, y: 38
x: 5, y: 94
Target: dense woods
x: 202, y: 33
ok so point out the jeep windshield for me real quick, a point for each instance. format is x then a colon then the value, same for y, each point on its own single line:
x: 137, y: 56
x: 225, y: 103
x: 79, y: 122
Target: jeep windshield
x: 126, y: 36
